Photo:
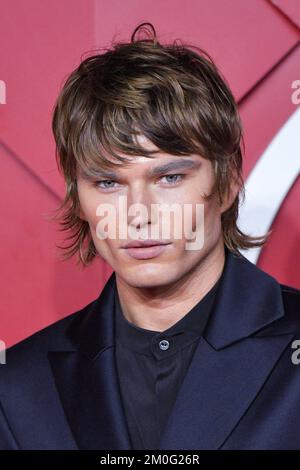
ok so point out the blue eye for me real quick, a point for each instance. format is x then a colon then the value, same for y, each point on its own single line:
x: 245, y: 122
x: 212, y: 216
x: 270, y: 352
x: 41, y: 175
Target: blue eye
x: 174, y: 181
x: 98, y: 184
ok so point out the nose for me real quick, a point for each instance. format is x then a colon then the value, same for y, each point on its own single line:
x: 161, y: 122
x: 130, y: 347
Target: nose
x: 139, y: 204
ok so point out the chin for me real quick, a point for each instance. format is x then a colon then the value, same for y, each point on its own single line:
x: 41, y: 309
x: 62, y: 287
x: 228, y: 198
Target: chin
x: 147, y: 276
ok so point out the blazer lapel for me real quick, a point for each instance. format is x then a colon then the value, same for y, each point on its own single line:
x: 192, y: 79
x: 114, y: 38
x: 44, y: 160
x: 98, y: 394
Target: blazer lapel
x: 87, y: 382
x: 217, y: 391
x: 231, y: 362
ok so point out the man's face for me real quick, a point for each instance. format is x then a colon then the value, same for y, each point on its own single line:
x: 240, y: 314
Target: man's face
x: 149, y: 183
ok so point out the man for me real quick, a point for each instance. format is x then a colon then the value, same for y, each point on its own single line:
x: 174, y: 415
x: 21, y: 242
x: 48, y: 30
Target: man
x: 188, y: 346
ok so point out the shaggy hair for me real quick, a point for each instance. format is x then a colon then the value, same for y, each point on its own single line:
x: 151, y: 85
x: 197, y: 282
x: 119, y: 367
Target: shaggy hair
x: 174, y: 96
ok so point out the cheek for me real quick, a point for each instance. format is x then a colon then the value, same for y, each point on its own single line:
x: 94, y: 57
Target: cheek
x: 89, y: 203
x: 205, y: 219
x: 86, y: 201
x: 212, y: 220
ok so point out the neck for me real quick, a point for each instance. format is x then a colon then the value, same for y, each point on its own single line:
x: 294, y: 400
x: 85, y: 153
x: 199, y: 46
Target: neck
x: 159, y: 308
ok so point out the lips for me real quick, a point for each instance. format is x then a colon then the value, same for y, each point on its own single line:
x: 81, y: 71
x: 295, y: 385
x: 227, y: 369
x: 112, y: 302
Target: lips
x: 145, y: 243
x: 146, y: 249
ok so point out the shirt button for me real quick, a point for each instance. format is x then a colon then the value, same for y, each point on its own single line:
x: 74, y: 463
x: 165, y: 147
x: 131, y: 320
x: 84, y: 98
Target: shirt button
x: 164, y: 344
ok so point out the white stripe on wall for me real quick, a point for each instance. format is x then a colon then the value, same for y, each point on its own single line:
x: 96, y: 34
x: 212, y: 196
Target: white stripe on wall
x: 269, y: 182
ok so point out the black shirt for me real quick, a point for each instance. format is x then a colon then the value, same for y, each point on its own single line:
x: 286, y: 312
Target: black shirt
x: 151, y: 366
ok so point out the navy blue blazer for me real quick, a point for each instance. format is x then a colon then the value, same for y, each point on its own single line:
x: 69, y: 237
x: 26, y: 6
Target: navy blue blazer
x: 59, y: 388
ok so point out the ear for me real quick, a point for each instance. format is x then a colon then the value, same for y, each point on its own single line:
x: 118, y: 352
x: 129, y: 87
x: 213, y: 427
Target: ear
x: 82, y: 215
x: 230, y: 198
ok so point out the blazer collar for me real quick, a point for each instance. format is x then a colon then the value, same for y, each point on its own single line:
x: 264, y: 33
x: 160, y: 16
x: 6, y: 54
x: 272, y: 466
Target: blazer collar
x: 93, y: 332
x: 250, y: 297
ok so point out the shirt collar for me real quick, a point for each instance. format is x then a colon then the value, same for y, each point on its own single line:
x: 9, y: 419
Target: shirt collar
x: 163, y: 344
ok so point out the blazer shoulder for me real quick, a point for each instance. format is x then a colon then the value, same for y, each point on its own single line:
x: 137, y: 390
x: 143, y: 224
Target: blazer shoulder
x: 291, y: 304
x: 289, y: 322
x: 289, y: 289
x: 291, y: 299
x: 53, y: 336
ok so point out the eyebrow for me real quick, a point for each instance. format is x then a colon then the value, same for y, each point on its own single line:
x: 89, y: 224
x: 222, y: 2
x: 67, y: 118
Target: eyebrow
x: 159, y: 170
x: 175, y: 165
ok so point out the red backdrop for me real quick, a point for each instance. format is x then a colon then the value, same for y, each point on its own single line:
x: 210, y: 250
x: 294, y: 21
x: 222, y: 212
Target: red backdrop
x: 257, y: 46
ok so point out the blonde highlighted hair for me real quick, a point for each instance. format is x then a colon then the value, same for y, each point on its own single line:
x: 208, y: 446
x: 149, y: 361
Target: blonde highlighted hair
x: 170, y: 93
